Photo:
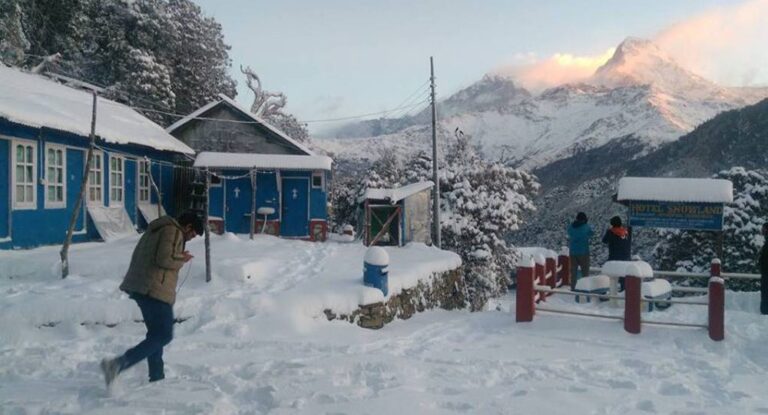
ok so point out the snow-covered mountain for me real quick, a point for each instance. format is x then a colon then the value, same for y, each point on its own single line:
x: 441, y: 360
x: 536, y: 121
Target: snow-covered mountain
x: 641, y: 92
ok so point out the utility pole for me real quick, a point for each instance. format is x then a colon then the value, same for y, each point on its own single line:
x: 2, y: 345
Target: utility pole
x: 64, y: 253
x: 437, y: 240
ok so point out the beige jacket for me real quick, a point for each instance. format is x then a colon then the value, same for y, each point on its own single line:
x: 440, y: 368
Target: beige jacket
x: 156, y: 261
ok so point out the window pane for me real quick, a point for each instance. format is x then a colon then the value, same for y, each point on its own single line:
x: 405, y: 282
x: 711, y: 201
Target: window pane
x: 29, y: 175
x: 19, y: 174
x: 19, y: 153
x: 60, y: 193
x: 19, y: 193
x: 28, y: 193
x: 29, y: 154
x: 51, y: 191
x: 59, y: 175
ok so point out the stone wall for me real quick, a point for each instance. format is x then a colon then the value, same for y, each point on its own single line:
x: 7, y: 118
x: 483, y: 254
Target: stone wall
x: 445, y: 290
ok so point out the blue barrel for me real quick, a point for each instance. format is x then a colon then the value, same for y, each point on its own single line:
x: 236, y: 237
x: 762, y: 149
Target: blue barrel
x: 376, y: 269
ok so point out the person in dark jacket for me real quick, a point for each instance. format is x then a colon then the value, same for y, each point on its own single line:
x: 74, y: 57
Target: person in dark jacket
x: 579, y: 234
x: 151, y: 282
x: 763, y: 265
x: 619, y: 240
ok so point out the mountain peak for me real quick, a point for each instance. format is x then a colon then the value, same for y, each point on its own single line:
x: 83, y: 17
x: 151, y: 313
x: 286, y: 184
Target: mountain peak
x: 641, y: 62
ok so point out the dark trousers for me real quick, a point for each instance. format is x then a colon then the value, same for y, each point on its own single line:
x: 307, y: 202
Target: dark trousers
x: 579, y: 262
x: 764, y: 294
x: 158, y: 317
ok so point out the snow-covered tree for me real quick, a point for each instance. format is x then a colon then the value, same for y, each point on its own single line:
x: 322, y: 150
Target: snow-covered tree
x: 13, y: 41
x: 742, y: 220
x: 271, y: 107
x: 162, y: 55
x: 481, y: 202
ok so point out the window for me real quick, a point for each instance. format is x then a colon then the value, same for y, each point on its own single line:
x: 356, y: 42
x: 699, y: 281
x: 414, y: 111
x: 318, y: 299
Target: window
x: 144, y: 181
x: 24, y: 175
x: 215, y: 180
x: 116, y: 183
x: 317, y: 180
x: 95, y: 180
x: 55, y: 176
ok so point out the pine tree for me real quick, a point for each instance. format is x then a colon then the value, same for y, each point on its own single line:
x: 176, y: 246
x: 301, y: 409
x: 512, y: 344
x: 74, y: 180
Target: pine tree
x: 692, y: 251
x: 13, y: 41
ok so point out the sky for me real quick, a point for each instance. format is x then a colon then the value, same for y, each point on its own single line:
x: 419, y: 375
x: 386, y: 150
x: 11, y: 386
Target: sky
x: 344, y: 58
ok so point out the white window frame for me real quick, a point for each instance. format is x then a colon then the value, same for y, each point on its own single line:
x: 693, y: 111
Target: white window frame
x: 321, y: 175
x: 50, y: 181
x: 113, y: 185
x: 142, y: 189
x: 26, y: 204
x: 100, y: 186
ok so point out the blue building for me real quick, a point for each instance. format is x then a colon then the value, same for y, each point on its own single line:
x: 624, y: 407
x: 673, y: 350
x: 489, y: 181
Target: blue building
x: 290, y: 182
x: 44, y: 139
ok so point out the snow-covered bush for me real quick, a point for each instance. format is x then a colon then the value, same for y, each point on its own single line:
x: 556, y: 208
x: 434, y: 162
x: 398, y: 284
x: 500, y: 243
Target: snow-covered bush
x: 742, y: 220
x: 481, y: 202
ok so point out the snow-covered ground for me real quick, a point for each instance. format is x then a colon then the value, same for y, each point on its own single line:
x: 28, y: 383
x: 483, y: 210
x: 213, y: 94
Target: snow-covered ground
x: 259, y: 345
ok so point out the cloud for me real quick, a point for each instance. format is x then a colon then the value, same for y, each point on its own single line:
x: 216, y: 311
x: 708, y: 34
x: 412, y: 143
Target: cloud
x: 725, y: 44
x: 537, y: 74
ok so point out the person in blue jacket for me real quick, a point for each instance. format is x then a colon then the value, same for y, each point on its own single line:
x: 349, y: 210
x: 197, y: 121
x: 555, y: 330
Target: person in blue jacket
x: 579, y: 234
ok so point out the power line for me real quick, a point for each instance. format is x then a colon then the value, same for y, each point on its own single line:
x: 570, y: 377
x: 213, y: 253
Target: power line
x: 405, y: 106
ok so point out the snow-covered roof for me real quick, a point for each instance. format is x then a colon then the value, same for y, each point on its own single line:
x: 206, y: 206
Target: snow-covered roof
x: 675, y: 189
x: 225, y: 99
x: 36, y: 101
x: 262, y: 161
x: 397, y: 194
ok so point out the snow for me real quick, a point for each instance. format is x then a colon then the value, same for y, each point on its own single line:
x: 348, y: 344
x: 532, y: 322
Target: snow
x: 376, y: 255
x: 229, y: 101
x: 250, y: 346
x: 36, y: 101
x: 262, y: 161
x: 656, y: 288
x: 112, y: 222
x: 534, y: 251
x: 596, y: 282
x: 676, y: 189
x: 397, y: 194
x: 640, y: 269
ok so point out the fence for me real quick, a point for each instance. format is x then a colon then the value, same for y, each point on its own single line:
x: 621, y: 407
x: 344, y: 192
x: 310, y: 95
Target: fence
x: 539, y: 277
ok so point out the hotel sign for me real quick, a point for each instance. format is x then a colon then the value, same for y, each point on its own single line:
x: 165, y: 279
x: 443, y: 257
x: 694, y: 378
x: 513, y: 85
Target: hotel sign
x: 678, y: 215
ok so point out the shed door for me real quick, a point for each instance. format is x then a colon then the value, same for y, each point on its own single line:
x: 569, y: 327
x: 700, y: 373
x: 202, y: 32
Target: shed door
x: 295, y: 214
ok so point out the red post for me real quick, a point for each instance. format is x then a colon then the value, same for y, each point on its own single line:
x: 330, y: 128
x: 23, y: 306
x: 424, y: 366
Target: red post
x: 632, y: 304
x: 525, y: 306
x: 714, y: 268
x: 564, y: 261
x: 551, y: 269
x: 539, y: 275
x: 716, y: 307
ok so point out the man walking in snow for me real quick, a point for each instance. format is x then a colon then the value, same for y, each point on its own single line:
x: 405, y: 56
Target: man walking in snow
x: 579, y: 234
x: 151, y: 282
x: 619, y: 240
x: 763, y: 265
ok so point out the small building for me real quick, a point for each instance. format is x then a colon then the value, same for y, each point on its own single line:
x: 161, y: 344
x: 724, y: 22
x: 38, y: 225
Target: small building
x: 290, y: 179
x: 289, y: 193
x: 44, y: 138
x: 397, y: 216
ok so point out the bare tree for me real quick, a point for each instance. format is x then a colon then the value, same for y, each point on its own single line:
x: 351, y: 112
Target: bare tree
x: 271, y: 105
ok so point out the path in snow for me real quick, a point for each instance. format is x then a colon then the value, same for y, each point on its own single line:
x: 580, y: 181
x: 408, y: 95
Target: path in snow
x: 251, y: 346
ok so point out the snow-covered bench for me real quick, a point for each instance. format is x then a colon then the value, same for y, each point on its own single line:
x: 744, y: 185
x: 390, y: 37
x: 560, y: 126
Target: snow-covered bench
x: 656, y: 289
x: 598, y: 284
